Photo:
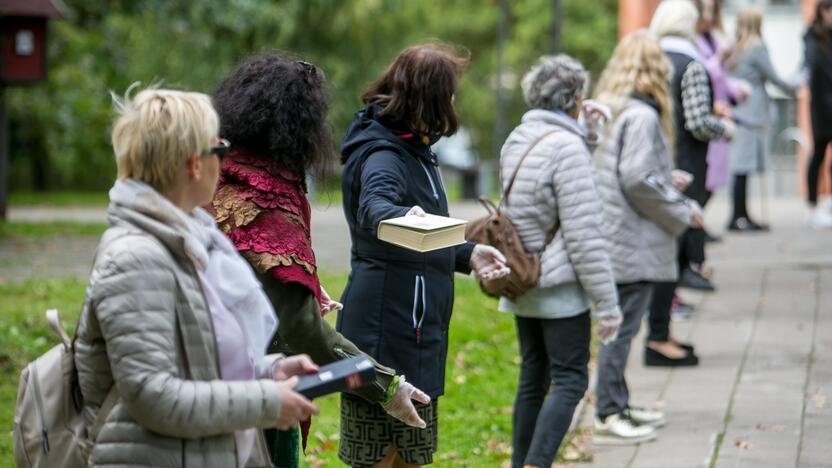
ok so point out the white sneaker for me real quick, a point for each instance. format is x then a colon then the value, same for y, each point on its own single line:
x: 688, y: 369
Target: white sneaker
x: 819, y: 218
x: 645, y: 416
x: 620, y: 430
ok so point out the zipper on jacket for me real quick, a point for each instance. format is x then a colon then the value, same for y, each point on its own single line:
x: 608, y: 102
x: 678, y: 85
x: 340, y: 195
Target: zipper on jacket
x: 33, y: 372
x: 419, y: 294
x: 430, y: 179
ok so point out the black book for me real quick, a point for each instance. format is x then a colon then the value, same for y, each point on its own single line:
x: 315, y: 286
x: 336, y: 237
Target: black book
x: 346, y: 374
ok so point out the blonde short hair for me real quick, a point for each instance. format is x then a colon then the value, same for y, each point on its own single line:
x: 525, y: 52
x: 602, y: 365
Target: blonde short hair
x: 157, y: 129
x: 675, y: 18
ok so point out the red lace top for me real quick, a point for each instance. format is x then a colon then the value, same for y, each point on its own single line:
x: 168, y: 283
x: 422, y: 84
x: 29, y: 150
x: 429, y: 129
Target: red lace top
x: 265, y: 213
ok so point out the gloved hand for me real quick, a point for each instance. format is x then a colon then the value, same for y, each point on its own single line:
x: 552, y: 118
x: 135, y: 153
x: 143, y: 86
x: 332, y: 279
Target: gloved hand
x: 327, y: 304
x: 401, y: 405
x: 415, y: 211
x: 608, y: 323
x: 488, y: 263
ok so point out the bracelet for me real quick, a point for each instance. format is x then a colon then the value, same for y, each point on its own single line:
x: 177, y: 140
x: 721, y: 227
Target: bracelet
x: 391, y: 390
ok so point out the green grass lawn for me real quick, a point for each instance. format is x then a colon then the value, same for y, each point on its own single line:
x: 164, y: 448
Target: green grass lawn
x: 475, y: 414
x: 50, y: 229
x: 60, y: 198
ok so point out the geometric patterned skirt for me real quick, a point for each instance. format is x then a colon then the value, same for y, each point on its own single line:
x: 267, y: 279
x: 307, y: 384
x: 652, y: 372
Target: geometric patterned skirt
x: 367, y: 432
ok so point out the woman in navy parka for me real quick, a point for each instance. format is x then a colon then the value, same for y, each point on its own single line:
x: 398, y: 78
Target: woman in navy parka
x: 398, y: 302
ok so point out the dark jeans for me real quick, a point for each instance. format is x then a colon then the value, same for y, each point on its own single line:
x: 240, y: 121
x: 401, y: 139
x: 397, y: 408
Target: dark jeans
x: 613, y: 396
x: 660, y: 306
x: 555, y: 353
x: 815, y: 166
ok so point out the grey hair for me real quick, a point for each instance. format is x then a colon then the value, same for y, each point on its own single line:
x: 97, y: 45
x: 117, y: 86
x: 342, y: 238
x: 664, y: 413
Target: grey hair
x: 554, y: 82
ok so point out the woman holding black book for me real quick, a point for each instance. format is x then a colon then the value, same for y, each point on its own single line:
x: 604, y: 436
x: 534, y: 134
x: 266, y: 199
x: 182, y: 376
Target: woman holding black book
x: 398, y: 302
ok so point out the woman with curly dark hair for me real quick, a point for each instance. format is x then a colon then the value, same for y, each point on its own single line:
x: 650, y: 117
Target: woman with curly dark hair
x: 273, y: 109
x: 398, y: 302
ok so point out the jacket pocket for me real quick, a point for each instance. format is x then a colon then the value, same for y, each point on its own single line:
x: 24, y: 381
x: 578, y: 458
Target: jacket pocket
x: 419, y: 306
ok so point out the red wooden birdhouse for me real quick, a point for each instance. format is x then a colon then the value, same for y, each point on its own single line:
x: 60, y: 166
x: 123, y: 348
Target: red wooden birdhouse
x: 23, y: 26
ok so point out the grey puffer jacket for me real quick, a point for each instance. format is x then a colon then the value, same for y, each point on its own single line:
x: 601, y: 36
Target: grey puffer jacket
x: 147, y: 329
x: 557, y: 180
x: 643, y: 211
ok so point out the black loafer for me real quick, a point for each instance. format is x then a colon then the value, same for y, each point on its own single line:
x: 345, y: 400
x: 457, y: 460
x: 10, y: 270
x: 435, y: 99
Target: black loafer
x: 691, y: 279
x: 746, y: 225
x: 653, y: 358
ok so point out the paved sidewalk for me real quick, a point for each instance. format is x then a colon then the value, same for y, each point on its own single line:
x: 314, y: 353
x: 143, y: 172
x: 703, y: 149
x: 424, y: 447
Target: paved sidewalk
x: 759, y: 397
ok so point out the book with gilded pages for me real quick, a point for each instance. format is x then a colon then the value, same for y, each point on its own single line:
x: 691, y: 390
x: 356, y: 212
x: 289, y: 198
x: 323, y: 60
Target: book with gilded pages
x: 423, y: 233
x: 346, y: 374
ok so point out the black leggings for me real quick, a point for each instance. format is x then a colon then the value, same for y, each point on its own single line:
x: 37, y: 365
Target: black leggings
x: 740, y: 195
x: 815, y: 165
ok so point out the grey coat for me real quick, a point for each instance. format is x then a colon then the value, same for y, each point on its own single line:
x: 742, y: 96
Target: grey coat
x: 557, y: 180
x: 643, y: 212
x: 147, y: 329
x: 749, y: 149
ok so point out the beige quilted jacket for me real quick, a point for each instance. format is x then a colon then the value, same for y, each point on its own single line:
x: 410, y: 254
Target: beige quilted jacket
x: 150, y: 332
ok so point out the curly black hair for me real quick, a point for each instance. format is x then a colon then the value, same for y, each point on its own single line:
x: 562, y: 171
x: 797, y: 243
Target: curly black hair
x: 276, y: 105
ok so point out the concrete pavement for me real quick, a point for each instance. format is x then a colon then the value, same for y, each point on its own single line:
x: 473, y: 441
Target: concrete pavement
x: 759, y: 396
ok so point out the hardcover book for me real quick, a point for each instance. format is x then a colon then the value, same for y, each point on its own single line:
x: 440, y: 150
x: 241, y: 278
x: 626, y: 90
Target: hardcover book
x: 423, y: 233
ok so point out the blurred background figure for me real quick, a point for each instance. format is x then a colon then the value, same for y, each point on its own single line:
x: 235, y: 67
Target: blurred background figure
x: 818, y: 62
x: 644, y: 214
x: 750, y: 63
x: 695, y: 124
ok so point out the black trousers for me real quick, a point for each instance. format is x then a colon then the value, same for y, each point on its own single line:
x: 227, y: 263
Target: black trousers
x: 553, y: 379
x: 692, y: 241
x: 815, y: 165
x: 740, y: 193
x: 660, y: 306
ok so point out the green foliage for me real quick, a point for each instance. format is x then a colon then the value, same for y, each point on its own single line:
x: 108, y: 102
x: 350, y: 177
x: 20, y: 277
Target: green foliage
x: 60, y: 128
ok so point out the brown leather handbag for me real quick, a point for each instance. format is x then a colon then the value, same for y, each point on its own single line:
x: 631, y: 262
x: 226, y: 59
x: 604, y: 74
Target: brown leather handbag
x: 496, y: 230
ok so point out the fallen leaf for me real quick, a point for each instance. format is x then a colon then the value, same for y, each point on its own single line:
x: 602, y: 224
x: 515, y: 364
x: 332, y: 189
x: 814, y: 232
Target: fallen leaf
x: 659, y: 404
x: 460, y: 379
x: 762, y: 427
x: 778, y: 428
x: 743, y: 444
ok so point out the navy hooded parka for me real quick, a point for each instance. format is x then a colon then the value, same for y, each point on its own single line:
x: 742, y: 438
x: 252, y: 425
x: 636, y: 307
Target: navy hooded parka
x: 397, y: 302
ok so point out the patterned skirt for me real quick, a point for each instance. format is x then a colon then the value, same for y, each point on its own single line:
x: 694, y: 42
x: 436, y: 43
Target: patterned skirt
x: 367, y: 432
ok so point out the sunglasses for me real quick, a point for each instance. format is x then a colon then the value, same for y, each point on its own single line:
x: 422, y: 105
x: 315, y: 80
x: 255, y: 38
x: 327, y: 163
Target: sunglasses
x: 220, y: 149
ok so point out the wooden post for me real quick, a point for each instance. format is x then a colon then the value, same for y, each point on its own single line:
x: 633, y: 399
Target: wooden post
x: 557, y: 22
x: 4, y: 155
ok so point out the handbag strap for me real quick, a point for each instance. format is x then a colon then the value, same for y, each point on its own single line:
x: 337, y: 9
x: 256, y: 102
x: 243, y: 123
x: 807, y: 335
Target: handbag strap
x: 552, y: 232
x: 507, y: 191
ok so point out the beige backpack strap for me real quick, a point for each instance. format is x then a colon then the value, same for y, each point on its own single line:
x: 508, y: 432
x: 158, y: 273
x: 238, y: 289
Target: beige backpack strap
x: 103, y: 412
x: 54, y: 320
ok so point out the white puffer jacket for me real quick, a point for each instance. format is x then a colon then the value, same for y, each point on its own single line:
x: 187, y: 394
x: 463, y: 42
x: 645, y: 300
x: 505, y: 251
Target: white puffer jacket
x: 644, y: 213
x: 557, y: 180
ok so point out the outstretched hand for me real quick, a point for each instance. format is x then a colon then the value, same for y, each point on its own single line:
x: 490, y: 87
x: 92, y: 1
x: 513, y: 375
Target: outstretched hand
x: 488, y: 263
x: 401, y: 405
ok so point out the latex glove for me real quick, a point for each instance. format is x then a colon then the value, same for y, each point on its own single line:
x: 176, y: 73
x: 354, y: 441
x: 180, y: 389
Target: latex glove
x: 595, y: 114
x: 291, y: 366
x: 327, y: 304
x: 416, y: 211
x: 681, y: 179
x: 730, y: 128
x: 294, y: 407
x: 697, y: 220
x: 401, y: 405
x: 607, y: 328
x: 488, y: 263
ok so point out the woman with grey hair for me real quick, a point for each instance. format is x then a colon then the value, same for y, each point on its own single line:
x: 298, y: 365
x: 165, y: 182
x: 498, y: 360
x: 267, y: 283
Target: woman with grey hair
x: 550, y: 196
